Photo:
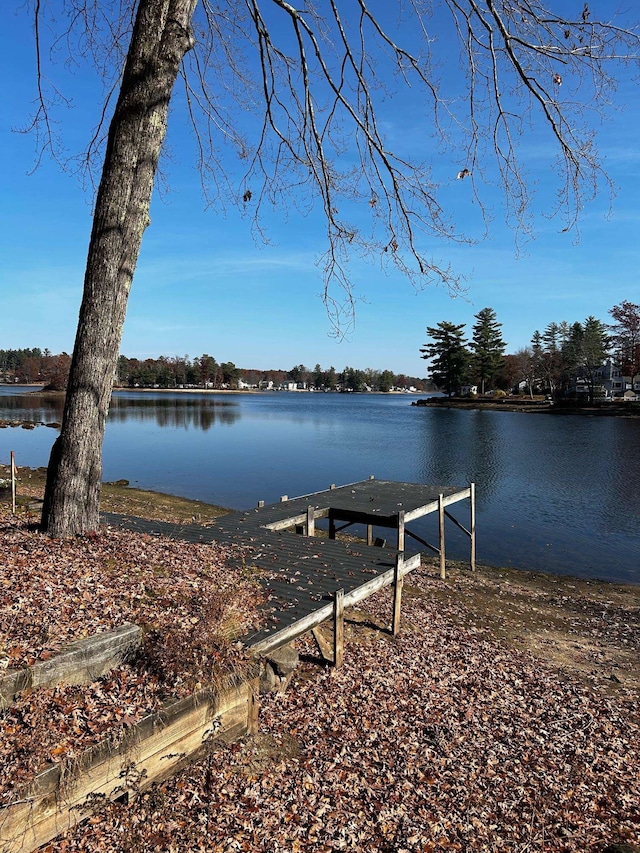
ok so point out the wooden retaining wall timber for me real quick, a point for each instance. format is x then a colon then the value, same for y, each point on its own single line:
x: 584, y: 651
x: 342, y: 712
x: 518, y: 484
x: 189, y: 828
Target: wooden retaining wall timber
x: 64, y: 794
x: 80, y: 663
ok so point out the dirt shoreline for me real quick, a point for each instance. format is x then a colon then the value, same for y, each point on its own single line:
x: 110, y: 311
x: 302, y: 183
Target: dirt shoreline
x: 120, y: 497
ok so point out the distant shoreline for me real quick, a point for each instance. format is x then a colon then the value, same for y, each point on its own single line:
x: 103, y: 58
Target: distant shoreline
x: 419, y: 399
x: 621, y: 410
x: 263, y: 391
x: 38, y: 389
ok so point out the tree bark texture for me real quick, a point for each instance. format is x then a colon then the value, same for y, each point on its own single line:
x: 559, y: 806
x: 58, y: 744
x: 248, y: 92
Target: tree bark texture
x: 161, y: 37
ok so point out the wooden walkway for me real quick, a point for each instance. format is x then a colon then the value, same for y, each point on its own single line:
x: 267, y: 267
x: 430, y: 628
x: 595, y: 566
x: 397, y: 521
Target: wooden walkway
x: 310, y: 579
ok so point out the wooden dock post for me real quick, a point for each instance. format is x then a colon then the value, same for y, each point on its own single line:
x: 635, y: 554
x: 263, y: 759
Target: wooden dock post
x: 472, y: 525
x: 338, y: 628
x: 398, y: 579
x: 13, y: 483
x: 311, y: 521
x: 400, y: 545
x: 443, y: 571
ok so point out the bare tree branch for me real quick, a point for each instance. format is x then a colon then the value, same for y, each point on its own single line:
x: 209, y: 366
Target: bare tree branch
x: 301, y: 95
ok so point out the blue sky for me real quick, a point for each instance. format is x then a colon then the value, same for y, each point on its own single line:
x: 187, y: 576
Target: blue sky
x: 203, y: 284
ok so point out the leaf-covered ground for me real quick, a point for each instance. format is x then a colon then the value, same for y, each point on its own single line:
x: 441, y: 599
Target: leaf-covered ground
x: 190, y: 601
x: 441, y: 739
x: 479, y: 728
x: 588, y: 628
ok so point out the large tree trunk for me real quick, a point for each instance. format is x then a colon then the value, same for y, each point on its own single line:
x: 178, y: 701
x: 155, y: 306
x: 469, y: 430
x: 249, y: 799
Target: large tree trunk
x: 161, y: 37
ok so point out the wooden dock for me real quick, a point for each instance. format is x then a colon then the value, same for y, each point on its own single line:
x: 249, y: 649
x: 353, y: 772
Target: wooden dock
x: 309, y: 579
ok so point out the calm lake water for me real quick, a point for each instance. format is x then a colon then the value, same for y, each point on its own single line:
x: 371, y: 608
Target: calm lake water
x: 558, y: 494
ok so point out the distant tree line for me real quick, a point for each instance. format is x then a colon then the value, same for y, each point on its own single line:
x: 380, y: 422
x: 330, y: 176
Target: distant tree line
x: 34, y: 365
x: 205, y: 372
x: 353, y: 379
x: 560, y: 356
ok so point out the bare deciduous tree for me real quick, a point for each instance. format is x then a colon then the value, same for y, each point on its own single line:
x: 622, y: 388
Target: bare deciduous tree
x: 299, y: 92
x: 625, y: 339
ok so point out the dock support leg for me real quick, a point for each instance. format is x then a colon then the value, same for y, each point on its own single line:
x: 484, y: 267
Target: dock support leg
x: 311, y: 521
x: 398, y: 579
x: 332, y: 527
x: 369, y: 534
x: 338, y: 628
x: 400, y: 546
x: 443, y: 571
x: 472, y: 526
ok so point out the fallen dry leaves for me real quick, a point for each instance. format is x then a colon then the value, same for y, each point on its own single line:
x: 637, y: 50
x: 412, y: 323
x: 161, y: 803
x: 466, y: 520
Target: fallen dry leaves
x: 440, y: 739
x: 190, y: 602
x: 583, y: 626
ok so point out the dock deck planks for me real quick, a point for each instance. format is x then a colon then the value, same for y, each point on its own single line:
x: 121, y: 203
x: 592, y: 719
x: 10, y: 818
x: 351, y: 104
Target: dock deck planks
x: 301, y: 574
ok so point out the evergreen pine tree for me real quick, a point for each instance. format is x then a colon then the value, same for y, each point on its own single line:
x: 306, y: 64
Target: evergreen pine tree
x: 487, y: 346
x: 448, y: 355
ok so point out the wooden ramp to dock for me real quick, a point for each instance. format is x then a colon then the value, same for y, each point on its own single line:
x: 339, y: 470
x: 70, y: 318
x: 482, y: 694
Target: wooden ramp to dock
x: 308, y: 579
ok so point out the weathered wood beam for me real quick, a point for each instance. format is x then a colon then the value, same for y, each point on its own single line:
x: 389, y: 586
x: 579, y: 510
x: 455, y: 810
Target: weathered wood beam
x: 311, y: 521
x: 253, y: 715
x: 155, y: 748
x: 443, y: 571
x: 472, y: 525
x: 332, y: 528
x: 400, y: 526
x: 421, y: 540
x: 14, y: 480
x: 293, y: 520
x: 432, y: 506
x: 79, y: 663
x: 338, y: 628
x: 322, y: 492
x: 457, y: 523
x: 397, y: 596
x: 324, y: 646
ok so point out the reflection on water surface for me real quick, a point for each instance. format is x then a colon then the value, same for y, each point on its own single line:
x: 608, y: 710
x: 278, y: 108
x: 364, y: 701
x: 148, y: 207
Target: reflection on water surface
x: 554, y: 493
x: 190, y: 410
